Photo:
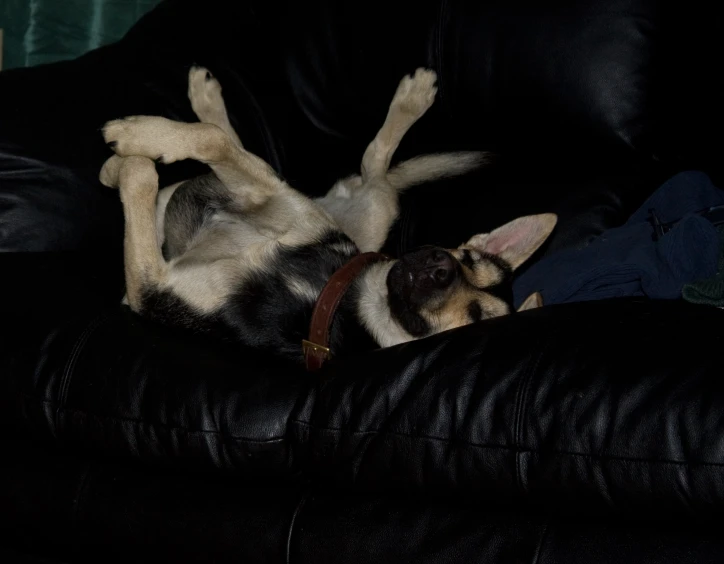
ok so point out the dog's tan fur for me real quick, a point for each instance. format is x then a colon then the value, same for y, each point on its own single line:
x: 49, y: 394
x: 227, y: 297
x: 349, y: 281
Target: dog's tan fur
x: 270, y: 215
x: 205, y: 275
x: 365, y: 206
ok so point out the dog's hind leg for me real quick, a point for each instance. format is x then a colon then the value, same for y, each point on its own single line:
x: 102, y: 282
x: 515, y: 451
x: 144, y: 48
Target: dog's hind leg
x: 208, y: 103
x: 366, y: 206
x: 137, y: 180
x: 162, y: 200
x: 413, y: 98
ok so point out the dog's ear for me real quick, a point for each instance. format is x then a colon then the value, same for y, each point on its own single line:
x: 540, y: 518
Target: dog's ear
x: 517, y: 240
x: 535, y: 300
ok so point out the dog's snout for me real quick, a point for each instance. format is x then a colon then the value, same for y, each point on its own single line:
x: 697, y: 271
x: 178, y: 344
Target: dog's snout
x: 438, y: 269
x: 439, y: 258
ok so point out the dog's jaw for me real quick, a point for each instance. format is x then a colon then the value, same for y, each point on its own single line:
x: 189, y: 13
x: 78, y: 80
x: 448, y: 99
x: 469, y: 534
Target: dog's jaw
x: 373, y: 308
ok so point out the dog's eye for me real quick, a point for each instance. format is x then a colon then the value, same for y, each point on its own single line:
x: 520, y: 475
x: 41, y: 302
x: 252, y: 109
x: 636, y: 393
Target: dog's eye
x: 467, y: 259
x: 475, y: 312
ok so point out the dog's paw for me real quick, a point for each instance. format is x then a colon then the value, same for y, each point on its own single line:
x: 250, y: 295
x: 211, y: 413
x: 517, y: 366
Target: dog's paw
x: 131, y: 174
x: 205, y: 96
x: 415, y: 94
x: 110, y: 171
x: 138, y: 175
x: 156, y: 138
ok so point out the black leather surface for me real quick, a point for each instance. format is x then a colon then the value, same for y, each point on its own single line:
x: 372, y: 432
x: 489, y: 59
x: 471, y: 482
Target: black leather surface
x: 79, y: 510
x: 413, y: 530
x: 72, y: 509
x: 525, y: 406
x: 529, y: 438
x: 561, y: 72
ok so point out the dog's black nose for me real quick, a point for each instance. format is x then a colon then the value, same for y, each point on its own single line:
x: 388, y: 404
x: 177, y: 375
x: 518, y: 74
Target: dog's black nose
x: 437, y: 269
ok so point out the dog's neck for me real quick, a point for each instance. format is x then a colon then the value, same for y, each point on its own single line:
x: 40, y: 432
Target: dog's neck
x: 363, y: 320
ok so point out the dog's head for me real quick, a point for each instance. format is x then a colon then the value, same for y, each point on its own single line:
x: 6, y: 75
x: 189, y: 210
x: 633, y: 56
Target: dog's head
x: 435, y: 289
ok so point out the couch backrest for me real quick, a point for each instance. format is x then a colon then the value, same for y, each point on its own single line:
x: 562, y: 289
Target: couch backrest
x: 592, y: 79
x: 578, y: 96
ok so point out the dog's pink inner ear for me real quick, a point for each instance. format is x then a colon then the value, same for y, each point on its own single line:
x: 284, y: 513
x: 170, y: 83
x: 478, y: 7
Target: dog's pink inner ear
x: 517, y: 240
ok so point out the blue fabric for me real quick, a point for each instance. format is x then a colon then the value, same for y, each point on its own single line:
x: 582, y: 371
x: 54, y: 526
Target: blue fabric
x: 626, y: 261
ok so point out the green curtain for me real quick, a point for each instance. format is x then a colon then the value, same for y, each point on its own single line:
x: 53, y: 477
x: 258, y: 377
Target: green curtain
x: 45, y: 31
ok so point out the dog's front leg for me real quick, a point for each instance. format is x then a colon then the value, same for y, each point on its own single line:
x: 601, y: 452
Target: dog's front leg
x: 137, y: 180
x: 251, y: 179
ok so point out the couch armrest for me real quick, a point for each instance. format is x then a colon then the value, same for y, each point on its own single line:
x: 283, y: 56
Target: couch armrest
x: 603, y: 406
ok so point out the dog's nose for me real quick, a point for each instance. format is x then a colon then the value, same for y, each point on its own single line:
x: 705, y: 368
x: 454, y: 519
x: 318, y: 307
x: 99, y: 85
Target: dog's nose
x: 438, y: 270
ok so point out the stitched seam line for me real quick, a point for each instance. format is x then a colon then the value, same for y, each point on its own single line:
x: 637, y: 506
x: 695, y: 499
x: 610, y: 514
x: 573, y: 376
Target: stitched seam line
x: 516, y: 430
x: 166, y: 426
x: 481, y: 446
x: 539, y: 548
x: 70, y: 366
x: 520, y: 404
x: 514, y: 448
x: 295, y: 515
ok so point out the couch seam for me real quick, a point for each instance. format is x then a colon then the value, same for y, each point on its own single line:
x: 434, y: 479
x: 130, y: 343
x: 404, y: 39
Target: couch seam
x: 70, y: 366
x: 520, y: 406
x: 293, y: 522
x: 539, y: 548
x: 167, y: 427
x: 516, y: 448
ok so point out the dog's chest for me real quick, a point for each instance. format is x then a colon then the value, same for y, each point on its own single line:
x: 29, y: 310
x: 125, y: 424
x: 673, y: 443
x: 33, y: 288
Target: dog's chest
x: 272, y: 306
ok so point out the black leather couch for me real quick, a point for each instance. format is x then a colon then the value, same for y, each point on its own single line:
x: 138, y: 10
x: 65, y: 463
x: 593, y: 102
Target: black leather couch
x: 584, y: 433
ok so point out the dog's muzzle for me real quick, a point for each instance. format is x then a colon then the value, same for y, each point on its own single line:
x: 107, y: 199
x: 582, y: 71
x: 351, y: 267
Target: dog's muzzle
x: 421, y: 274
x: 432, y: 269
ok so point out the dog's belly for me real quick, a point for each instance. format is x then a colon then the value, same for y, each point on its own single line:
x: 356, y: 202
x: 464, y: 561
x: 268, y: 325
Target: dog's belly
x: 233, y: 234
x: 219, y: 260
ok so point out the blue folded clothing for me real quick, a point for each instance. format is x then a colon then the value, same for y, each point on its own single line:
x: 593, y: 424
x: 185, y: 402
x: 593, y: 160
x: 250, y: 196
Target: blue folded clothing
x: 629, y: 260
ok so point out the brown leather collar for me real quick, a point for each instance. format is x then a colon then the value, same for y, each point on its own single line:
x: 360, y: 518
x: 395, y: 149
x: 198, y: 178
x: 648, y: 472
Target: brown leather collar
x: 316, y: 349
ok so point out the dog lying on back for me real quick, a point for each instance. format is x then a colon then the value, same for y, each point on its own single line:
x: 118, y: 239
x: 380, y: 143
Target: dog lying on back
x: 241, y: 255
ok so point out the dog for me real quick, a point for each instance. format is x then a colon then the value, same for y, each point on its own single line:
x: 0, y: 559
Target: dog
x: 242, y: 256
